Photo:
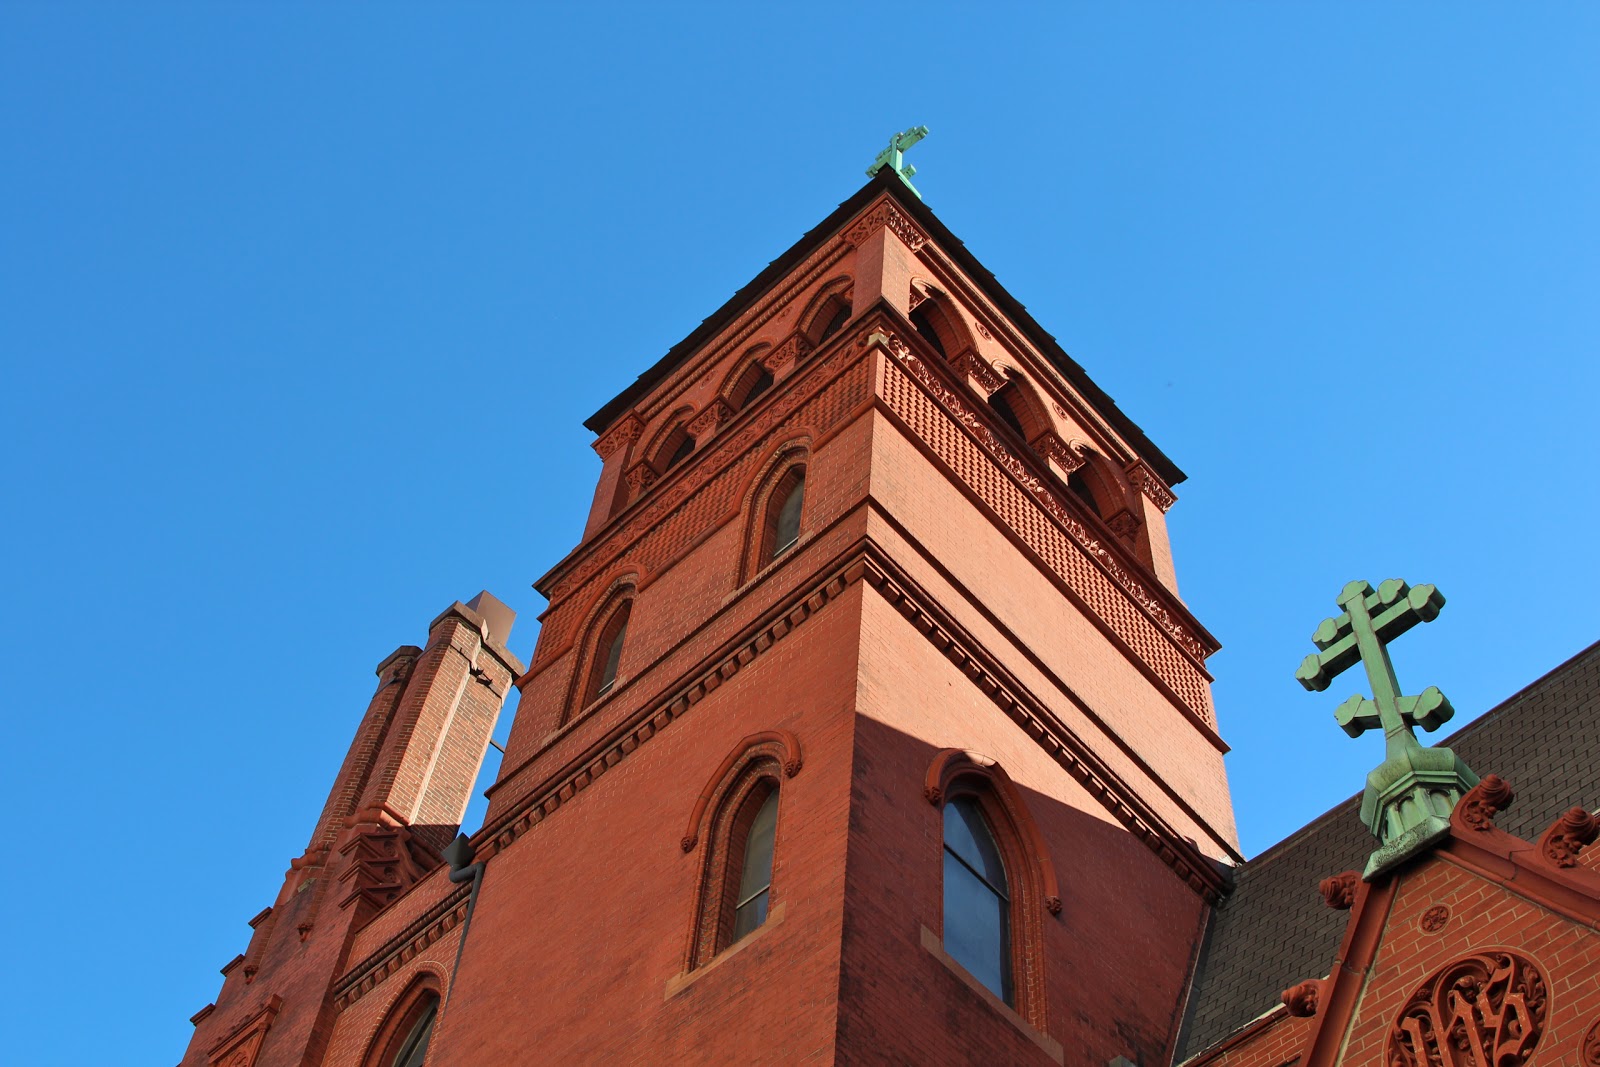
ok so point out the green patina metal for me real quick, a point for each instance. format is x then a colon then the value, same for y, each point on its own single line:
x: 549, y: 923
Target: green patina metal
x: 893, y: 157
x: 1410, y: 795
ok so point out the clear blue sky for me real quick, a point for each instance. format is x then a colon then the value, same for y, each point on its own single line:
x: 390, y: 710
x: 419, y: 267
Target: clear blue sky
x: 301, y: 310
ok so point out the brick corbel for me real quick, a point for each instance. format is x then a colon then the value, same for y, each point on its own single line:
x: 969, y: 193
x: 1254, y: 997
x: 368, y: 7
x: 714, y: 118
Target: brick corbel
x: 1125, y: 524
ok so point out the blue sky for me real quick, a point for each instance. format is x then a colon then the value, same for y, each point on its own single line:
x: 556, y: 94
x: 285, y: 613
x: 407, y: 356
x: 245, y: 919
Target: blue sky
x: 301, y: 311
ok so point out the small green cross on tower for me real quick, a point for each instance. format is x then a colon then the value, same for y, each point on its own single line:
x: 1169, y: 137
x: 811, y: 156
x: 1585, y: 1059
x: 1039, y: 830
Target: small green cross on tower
x: 893, y: 157
x: 1410, y: 795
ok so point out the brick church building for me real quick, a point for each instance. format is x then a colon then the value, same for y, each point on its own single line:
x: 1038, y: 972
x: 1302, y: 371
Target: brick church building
x: 866, y: 725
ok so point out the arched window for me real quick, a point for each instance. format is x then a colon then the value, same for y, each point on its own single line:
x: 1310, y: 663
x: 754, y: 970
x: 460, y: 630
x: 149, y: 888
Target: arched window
x: 1078, y: 482
x: 414, y: 1047
x: 756, y: 380
x: 835, y: 323
x: 402, y: 1040
x: 782, y: 528
x: 930, y: 333
x: 827, y: 315
x: 608, y: 653
x: 754, y: 832
x: 1000, y: 403
x: 677, y: 449
x: 737, y: 816
x: 977, y: 902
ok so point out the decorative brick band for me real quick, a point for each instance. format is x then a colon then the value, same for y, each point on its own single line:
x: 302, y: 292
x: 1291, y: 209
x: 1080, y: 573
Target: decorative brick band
x: 401, y: 949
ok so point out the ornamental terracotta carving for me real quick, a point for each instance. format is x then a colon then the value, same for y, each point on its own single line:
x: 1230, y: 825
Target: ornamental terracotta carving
x: 1434, y: 919
x: 1481, y: 802
x: 705, y: 424
x: 1591, y: 1046
x: 885, y: 214
x: 1147, y: 481
x: 1302, y: 999
x: 623, y: 433
x: 1487, y: 1010
x: 1339, y: 890
x: 1567, y: 836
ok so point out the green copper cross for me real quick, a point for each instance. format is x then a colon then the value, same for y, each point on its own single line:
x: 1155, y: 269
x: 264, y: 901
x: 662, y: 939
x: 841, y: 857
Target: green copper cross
x: 893, y: 157
x: 1370, y: 621
x: 1409, y: 797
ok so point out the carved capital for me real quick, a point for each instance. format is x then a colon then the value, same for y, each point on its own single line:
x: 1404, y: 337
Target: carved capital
x: 1124, y: 524
x: 640, y: 477
x: 713, y: 415
x: 1339, y: 891
x: 1567, y: 836
x: 881, y: 215
x: 1151, y: 485
x: 624, y: 432
x: 1303, y: 999
x: 793, y: 349
x: 980, y: 377
x: 1478, y: 807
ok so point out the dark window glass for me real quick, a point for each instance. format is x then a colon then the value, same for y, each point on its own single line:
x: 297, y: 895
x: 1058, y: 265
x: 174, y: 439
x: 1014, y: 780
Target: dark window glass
x: 787, y: 530
x: 679, y: 454
x: 976, y: 907
x: 762, y: 383
x: 924, y: 325
x: 755, y: 877
x: 835, y: 324
x: 415, y: 1047
x: 613, y: 653
x: 1080, y: 485
x: 1001, y: 404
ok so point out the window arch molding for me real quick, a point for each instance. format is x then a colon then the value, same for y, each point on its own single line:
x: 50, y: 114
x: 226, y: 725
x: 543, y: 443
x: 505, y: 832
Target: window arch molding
x: 424, y: 994
x: 1017, y: 404
x: 938, y: 323
x: 665, y: 441
x: 761, y: 499
x: 739, y: 387
x: 598, y: 624
x: 1033, y: 888
x: 754, y: 770
x: 1097, y: 483
x: 822, y: 312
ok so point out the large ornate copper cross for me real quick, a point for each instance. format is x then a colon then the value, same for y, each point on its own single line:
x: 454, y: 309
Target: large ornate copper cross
x: 1371, y: 619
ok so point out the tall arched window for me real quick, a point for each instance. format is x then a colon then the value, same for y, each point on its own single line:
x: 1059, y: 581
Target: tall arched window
x: 930, y: 333
x: 977, y: 901
x: 414, y: 1048
x: 782, y: 527
x: 734, y: 825
x: 755, y: 381
x: 608, y: 653
x: 1000, y: 401
x: 677, y: 449
x: 754, y: 831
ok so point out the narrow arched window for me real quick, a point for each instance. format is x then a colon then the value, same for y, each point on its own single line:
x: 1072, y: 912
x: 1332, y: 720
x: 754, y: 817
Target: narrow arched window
x: 414, y: 1048
x: 783, y: 515
x: 977, y: 903
x: 835, y: 323
x: 1079, y: 484
x: 678, y: 453
x: 608, y: 653
x: 754, y: 832
x: 756, y: 381
x: 1000, y: 403
x: 925, y: 327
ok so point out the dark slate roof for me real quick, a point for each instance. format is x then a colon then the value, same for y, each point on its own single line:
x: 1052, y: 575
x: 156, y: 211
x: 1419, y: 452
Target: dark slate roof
x: 885, y: 181
x: 1274, y: 929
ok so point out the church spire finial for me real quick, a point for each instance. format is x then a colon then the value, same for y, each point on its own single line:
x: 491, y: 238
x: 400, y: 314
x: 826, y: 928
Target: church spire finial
x: 893, y: 157
x: 1410, y: 795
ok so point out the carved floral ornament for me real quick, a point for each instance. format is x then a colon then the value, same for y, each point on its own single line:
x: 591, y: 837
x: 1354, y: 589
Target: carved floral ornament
x: 1339, y: 891
x: 1486, y: 1010
x: 1591, y: 1046
x: 884, y: 214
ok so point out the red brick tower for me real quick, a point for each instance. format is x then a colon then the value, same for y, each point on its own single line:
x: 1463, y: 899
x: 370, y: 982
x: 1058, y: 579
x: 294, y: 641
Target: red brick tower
x: 865, y: 723
x: 398, y: 798
x: 981, y: 600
